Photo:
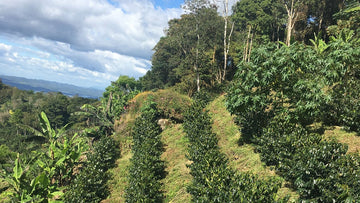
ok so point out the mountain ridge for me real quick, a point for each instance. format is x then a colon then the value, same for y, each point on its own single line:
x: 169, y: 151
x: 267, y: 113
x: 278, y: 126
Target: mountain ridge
x: 50, y: 86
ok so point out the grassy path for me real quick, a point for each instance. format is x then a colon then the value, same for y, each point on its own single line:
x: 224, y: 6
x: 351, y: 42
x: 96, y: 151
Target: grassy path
x: 178, y: 176
x: 119, y: 174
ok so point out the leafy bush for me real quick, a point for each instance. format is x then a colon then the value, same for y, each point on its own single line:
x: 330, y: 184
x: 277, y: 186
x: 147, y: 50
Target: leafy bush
x: 213, y: 180
x: 90, y: 185
x: 202, y: 97
x: 147, y: 168
x: 281, y: 139
x: 281, y: 92
x: 6, y: 155
x: 312, y: 171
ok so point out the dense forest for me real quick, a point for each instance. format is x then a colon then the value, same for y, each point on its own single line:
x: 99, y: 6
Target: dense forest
x: 286, y: 70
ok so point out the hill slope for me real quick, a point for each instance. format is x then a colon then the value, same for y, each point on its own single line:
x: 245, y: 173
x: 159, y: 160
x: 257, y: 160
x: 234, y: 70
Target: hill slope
x: 241, y: 158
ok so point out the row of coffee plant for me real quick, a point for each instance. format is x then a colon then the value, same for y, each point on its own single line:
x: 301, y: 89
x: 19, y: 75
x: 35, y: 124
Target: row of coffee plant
x: 90, y: 184
x: 279, y: 96
x: 213, y: 180
x: 319, y: 169
x: 147, y: 168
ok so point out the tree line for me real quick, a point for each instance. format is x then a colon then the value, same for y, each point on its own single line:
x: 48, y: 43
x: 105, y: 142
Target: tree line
x: 202, y: 48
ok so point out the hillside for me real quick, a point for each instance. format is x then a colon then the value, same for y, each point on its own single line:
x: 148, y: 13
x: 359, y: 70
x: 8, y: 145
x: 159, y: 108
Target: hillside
x: 242, y: 158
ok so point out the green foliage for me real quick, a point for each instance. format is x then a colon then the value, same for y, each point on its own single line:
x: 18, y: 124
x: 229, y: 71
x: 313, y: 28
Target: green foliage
x: 213, y: 180
x: 104, y: 154
x: 6, y: 157
x: 191, y: 50
x: 147, y: 168
x: 319, y: 45
x: 45, y: 174
x: 343, y: 76
x: 347, y: 18
x: 55, y: 106
x: 90, y: 185
x: 202, y: 97
x: 281, y: 139
x: 170, y: 103
x: 21, y: 108
x: 264, y: 16
x: 277, y: 79
x: 116, y: 96
x: 28, y: 189
x: 281, y: 92
x: 319, y: 170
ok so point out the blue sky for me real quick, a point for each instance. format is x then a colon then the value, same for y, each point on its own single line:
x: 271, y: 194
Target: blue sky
x: 168, y: 3
x: 81, y: 42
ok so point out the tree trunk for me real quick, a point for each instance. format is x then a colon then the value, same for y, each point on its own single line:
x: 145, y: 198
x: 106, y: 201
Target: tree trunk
x: 247, y: 45
x: 251, y: 41
x: 278, y: 37
x: 108, y: 106
x: 320, y: 22
x: 226, y: 50
x: 292, y: 15
x: 196, y: 60
x: 226, y: 37
x: 289, y: 30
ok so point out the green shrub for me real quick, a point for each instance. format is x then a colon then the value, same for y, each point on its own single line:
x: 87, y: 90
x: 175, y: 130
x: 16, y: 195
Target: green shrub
x: 280, y: 140
x: 319, y: 170
x: 90, y: 185
x: 105, y: 153
x: 315, y: 172
x: 147, y: 168
x: 213, y: 180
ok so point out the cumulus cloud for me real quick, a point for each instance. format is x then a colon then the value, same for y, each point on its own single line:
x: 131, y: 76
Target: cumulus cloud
x: 97, y: 38
x: 130, y: 28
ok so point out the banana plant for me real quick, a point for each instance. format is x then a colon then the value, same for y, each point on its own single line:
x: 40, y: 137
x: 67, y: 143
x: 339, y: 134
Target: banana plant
x: 57, y: 165
x: 319, y: 45
x: 23, y: 190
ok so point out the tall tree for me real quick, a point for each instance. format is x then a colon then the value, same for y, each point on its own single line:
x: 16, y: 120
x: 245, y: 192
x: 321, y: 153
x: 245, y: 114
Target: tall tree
x: 55, y: 107
x: 227, y: 37
x: 254, y: 16
x: 190, y: 53
x: 195, y: 7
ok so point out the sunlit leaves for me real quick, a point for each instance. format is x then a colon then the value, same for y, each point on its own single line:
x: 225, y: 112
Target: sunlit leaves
x: 213, y: 179
x: 147, y: 168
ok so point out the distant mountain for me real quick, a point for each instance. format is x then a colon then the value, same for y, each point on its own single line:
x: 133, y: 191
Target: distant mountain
x: 48, y: 86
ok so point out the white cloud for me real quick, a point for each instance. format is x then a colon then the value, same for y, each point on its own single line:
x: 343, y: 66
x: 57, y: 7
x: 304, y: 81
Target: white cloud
x: 4, y: 49
x: 133, y: 28
x: 92, y: 40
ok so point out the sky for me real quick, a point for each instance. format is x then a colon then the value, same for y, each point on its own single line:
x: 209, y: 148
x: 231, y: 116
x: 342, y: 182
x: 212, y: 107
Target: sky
x: 86, y: 43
